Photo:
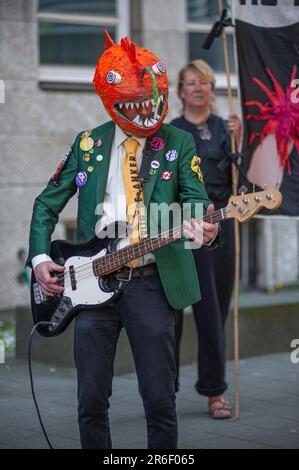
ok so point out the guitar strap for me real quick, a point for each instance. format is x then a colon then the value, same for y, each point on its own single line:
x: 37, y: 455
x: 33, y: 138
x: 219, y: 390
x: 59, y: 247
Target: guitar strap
x: 145, y: 166
x: 143, y: 176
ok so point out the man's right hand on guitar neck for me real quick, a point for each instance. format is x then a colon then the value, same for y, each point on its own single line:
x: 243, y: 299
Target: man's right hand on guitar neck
x: 48, y: 282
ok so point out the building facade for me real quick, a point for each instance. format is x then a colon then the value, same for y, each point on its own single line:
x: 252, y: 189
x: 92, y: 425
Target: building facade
x: 48, y: 51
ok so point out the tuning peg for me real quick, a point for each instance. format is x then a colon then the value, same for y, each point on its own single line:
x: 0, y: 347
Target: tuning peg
x: 243, y: 189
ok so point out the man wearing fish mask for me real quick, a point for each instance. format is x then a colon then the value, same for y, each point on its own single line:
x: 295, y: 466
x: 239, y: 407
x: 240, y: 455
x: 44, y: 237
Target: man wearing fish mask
x: 132, y: 160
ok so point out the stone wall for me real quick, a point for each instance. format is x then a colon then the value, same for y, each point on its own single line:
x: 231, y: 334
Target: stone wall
x: 37, y: 128
x: 267, y: 325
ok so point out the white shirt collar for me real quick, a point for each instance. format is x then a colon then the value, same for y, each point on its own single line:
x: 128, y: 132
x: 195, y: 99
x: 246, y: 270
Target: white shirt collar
x: 120, y: 136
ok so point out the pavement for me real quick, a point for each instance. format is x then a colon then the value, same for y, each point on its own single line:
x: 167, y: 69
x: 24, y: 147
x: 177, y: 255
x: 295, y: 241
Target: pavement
x: 269, y: 415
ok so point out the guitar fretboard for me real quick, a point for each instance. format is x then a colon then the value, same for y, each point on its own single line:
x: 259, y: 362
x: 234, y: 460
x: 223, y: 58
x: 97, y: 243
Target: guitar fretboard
x: 119, y: 258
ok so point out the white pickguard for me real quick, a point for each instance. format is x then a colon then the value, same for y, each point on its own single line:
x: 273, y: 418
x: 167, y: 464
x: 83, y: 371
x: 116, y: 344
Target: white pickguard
x: 88, y: 291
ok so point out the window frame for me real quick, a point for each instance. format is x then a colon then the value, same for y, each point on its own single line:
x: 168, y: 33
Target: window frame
x: 204, y: 27
x: 75, y: 77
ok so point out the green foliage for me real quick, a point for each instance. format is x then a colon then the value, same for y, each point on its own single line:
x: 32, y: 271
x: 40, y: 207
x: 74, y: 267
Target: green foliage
x: 8, y: 334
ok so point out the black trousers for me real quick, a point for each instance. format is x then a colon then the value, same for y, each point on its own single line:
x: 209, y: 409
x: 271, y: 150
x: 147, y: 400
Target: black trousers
x: 215, y: 271
x: 149, y: 322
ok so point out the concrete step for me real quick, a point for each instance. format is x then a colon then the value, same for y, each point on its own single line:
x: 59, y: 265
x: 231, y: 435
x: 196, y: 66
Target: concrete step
x: 267, y: 324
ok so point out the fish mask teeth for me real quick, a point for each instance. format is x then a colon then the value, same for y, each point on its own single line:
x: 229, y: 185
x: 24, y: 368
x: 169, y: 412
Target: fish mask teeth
x: 138, y: 120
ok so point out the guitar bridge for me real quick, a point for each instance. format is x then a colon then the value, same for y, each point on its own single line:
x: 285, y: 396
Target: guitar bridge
x: 39, y: 295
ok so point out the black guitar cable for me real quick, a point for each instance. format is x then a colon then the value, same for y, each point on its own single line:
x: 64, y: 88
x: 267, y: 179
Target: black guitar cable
x: 31, y: 378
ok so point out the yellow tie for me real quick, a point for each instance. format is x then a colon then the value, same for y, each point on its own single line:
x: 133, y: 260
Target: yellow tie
x: 132, y: 188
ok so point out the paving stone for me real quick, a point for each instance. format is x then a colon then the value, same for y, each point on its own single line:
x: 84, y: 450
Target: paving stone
x: 271, y: 422
x: 282, y: 440
x: 269, y: 410
x: 229, y: 443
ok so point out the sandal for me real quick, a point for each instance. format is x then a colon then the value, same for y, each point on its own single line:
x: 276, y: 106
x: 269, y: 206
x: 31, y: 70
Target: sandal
x: 219, y: 408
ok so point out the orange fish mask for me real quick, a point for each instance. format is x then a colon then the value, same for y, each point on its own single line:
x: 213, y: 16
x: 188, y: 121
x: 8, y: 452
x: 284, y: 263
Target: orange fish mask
x: 133, y: 86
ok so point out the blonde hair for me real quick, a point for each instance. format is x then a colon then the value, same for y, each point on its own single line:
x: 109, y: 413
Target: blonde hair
x: 202, y: 68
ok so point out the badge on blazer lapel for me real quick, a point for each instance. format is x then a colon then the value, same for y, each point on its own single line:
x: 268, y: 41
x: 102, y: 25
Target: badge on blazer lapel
x: 171, y: 155
x: 195, y: 166
x: 98, y: 143
x: 87, y: 142
x: 86, y: 133
x: 166, y: 175
x: 155, y: 164
x: 156, y: 143
x: 81, y: 179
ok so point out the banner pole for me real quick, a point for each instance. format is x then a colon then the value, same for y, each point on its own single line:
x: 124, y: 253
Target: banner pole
x: 236, y: 228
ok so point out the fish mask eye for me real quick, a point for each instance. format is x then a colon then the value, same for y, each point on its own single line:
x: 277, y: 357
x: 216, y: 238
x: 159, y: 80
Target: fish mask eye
x: 113, y: 77
x: 159, y: 68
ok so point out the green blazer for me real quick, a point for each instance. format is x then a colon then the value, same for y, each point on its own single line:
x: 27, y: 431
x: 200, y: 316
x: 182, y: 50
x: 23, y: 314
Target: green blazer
x: 175, y: 263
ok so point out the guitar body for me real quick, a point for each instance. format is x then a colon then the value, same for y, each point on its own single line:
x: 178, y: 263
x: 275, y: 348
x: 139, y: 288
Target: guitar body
x: 88, y: 266
x: 83, y: 290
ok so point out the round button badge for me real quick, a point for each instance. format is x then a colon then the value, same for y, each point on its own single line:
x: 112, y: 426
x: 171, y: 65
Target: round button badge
x: 171, y: 155
x: 81, y: 179
x: 156, y: 143
x: 86, y: 144
x: 166, y: 175
x: 155, y: 164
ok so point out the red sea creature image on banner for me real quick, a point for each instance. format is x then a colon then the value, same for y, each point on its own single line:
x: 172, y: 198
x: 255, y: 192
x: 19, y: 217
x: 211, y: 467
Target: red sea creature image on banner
x: 133, y: 86
x: 267, y: 39
x: 281, y: 114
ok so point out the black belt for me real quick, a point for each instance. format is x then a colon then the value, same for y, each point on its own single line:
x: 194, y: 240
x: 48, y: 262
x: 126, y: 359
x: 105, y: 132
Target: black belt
x: 126, y: 274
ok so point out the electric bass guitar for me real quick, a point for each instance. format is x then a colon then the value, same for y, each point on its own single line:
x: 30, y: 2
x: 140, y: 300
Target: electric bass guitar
x: 88, y: 266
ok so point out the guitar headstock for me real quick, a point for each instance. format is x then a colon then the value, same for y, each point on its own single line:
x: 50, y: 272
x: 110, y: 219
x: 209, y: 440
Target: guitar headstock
x: 245, y: 206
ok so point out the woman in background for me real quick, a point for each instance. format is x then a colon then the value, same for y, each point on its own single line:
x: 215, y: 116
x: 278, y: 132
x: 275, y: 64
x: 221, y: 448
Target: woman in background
x: 196, y: 88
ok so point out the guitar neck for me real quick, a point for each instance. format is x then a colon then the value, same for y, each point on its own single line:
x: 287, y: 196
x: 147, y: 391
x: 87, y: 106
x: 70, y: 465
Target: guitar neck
x: 119, y: 258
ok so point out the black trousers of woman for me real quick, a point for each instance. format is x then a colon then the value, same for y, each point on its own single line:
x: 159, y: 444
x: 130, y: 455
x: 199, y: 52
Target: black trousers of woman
x: 215, y: 270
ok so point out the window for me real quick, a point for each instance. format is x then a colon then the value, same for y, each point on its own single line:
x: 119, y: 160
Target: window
x: 201, y: 15
x: 71, y: 44
x: 71, y: 37
x: 96, y: 7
